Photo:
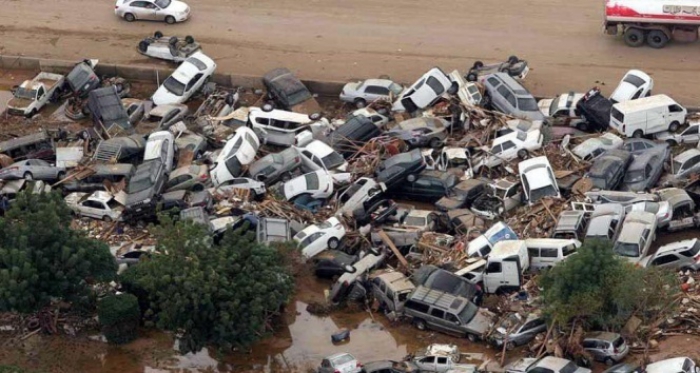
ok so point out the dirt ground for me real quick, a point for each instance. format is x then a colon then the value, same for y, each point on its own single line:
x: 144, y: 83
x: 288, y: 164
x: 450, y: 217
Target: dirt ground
x: 335, y: 40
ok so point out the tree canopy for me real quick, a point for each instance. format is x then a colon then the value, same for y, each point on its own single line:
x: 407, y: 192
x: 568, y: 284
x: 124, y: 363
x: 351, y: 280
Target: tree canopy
x: 602, y: 289
x: 42, y: 258
x: 222, y: 294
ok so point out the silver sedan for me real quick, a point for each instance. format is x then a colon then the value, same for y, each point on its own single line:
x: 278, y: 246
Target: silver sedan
x: 170, y: 11
x: 32, y: 169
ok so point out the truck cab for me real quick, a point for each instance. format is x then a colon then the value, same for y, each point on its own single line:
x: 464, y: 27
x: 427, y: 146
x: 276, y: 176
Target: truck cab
x: 481, y: 246
x: 32, y: 95
x: 505, y: 266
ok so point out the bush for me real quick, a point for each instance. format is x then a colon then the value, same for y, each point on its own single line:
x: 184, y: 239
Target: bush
x: 119, y: 317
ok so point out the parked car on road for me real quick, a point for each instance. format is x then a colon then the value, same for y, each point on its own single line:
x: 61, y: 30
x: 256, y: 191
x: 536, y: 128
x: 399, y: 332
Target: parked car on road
x: 186, y: 80
x: 594, y: 147
x: 425, y: 91
x: 634, y: 84
x: 645, y: 170
x: 538, y: 179
x: 364, y: 91
x: 238, y: 152
x: 318, y: 237
x: 32, y: 169
x: 506, y: 95
x: 421, y: 132
x: 608, y: 170
x: 638, y: 233
x: 169, y: 11
x: 98, y: 205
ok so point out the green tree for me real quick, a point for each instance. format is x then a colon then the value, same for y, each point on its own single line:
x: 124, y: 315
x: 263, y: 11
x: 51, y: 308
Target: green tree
x: 222, y: 294
x: 42, y: 258
x: 119, y: 317
x: 601, y: 289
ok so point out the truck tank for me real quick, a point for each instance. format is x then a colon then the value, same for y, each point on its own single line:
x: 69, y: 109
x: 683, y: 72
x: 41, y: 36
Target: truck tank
x: 655, y: 22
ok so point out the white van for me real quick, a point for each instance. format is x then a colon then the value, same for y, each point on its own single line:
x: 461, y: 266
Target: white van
x: 161, y: 145
x: 647, y: 115
x: 505, y: 266
x: 547, y: 252
x: 278, y: 127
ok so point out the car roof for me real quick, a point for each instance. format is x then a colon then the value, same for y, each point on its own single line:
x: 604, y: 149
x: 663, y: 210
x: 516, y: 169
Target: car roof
x: 552, y: 362
x: 686, y: 155
x: 603, y: 336
x: 643, y: 103
x: 319, y: 148
x: 397, y: 281
x: 101, y: 196
x: 667, y: 365
x: 509, y: 82
x: 378, y: 82
x: 506, y: 248
x: 676, y: 246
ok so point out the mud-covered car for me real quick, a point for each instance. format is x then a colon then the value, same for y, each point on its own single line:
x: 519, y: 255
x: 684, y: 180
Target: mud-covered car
x: 503, y: 195
x: 169, y: 48
x: 514, y: 66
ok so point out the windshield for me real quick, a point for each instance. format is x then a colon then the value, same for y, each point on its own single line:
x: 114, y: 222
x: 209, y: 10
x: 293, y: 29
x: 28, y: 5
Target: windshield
x: 435, y: 85
x: 556, y: 105
x: 634, y: 80
x: 537, y: 194
x: 234, y: 166
x: 163, y: 3
x: 527, y: 104
x: 677, y: 166
x: 598, y: 182
x: 173, y: 86
x: 634, y: 176
x: 569, y: 368
x: 324, y: 225
x: 277, y: 158
x: 395, y: 89
x: 414, y: 221
x: 25, y: 93
x: 139, y: 185
x: 468, y: 312
x: 332, y: 160
x: 627, y: 249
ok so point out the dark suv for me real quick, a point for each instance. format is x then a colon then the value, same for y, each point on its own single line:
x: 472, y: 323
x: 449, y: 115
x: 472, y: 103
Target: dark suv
x: 144, y: 189
x: 429, y: 186
x: 401, y: 167
x: 289, y: 93
x: 349, y: 137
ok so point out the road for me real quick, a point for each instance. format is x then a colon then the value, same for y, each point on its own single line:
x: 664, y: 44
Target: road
x: 341, y: 40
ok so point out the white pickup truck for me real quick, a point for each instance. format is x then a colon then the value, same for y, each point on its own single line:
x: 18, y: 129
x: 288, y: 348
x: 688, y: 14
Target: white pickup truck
x: 32, y: 95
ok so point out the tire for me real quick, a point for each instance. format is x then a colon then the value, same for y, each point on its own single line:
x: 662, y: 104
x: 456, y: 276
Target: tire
x: 634, y: 37
x: 28, y: 176
x: 286, y: 177
x: 143, y: 45
x: 420, y: 324
x: 350, y: 269
x: 583, y: 126
x: 472, y: 338
x: 198, y: 188
x: 106, y: 219
x: 374, y: 251
x: 315, y: 116
x: 129, y: 17
x: 673, y: 127
x: 31, y: 113
x: 333, y: 243
x: 513, y: 60
x: 170, y: 20
x: 173, y: 40
x: 523, y: 154
x: 510, y: 346
x: 609, y: 362
x: 411, y: 178
x: 157, y: 34
x: 60, y: 175
x: 453, y: 89
x: 435, y: 143
x: 268, y: 107
x: 478, y: 65
x: 471, y: 77
x: 657, y: 39
x: 189, y: 39
x: 638, y: 134
x: 360, y: 103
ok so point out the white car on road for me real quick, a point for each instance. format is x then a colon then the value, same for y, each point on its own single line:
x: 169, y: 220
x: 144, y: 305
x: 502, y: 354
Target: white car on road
x: 238, y: 152
x: 185, y: 81
x: 318, y: 237
x: 98, y: 205
x: 170, y: 11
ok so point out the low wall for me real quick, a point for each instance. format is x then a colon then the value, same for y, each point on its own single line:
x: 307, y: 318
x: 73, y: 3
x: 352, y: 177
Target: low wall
x: 154, y: 74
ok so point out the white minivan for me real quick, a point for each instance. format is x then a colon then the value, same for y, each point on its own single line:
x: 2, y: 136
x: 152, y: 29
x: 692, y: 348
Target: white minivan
x: 279, y: 127
x: 647, y: 115
x: 547, y: 252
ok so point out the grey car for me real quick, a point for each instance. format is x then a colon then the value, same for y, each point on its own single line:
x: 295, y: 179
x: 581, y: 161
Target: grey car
x: 519, y: 330
x: 32, y: 169
x: 275, y: 167
x: 645, y: 170
x: 607, y: 347
x: 193, y: 177
x: 681, y: 255
x: 421, y: 132
x: 684, y: 164
x: 607, y: 171
x: 506, y: 95
x: 606, y: 222
x: 639, y: 146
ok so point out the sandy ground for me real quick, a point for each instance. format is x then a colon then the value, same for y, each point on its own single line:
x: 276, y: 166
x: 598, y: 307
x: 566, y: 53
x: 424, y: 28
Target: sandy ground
x: 339, y: 40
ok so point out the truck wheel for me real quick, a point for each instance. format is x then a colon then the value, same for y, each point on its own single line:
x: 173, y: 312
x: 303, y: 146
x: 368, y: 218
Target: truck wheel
x: 673, y: 127
x: 657, y: 39
x: 472, y: 338
x: 143, y: 46
x: 333, y: 243
x: 157, y: 34
x: 513, y: 60
x: 129, y: 17
x: 172, y: 40
x: 189, y: 39
x: 420, y: 324
x: 31, y: 113
x: 471, y: 77
x: 360, y: 103
x: 170, y: 20
x: 638, y: 134
x: 634, y: 37
x: 478, y: 65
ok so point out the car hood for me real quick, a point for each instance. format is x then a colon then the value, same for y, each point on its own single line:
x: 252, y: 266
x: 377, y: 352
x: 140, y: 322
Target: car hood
x: 177, y: 6
x: 623, y: 92
x: 165, y: 97
x: 19, y: 103
x: 73, y: 198
x: 666, y: 135
x: 482, y: 321
x: 545, y: 105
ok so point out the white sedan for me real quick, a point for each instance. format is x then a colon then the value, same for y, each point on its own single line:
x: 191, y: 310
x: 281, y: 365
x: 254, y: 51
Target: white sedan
x: 98, y: 205
x: 170, y: 11
x: 319, y: 237
x: 592, y: 148
x: 186, y: 80
x: 634, y: 84
x: 317, y: 184
x: 238, y: 152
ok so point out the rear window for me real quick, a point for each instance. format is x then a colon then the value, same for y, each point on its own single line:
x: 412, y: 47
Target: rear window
x: 634, y: 80
x: 435, y: 85
x: 311, y: 181
x: 618, y: 342
x: 527, y: 104
x: 197, y: 63
x: 617, y: 115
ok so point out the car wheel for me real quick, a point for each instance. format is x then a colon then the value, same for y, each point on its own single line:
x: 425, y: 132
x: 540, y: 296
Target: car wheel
x: 31, y: 113
x: 360, y: 103
x: 350, y: 269
x: 472, y: 338
x: 333, y: 243
x: 522, y: 154
x: 634, y: 37
x: 420, y: 324
x: 583, y: 126
x: 189, y: 39
x: 60, y: 175
x: 638, y: 134
x: 657, y: 39
x: 170, y: 20
x: 453, y: 89
x: 374, y: 251
x: 268, y: 107
x: 435, y: 143
x: 28, y: 176
x: 143, y: 45
x: 510, y: 346
x: 609, y: 362
x: 198, y: 188
x: 478, y: 65
x: 129, y: 17
x: 286, y: 177
x: 411, y: 178
x: 315, y: 116
x: 471, y: 77
x: 673, y: 127
x: 513, y: 60
x: 106, y: 219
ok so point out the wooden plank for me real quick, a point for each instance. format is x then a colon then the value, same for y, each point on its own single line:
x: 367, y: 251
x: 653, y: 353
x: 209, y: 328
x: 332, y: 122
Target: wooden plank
x: 393, y: 248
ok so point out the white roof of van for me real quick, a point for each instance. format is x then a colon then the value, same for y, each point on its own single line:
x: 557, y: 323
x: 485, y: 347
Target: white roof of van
x: 644, y: 103
x: 551, y: 241
x: 504, y: 249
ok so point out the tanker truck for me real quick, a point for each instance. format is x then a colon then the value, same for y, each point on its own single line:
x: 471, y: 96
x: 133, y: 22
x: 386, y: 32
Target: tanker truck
x: 655, y: 22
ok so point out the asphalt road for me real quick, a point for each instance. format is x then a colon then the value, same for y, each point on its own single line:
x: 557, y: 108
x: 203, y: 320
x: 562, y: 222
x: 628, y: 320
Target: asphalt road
x: 340, y: 40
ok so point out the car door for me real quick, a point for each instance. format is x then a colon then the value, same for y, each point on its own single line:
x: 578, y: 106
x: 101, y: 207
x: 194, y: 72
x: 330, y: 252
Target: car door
x: 426, y: 363
x: 375, y: 92
x: 41, y: 170
x: 690, y: 134
x: 689, y: 166
x: 40, y: 93
x: 504, y: 100
x: 87, y: 208
x: 193, y: 85
x: 593, y: 347
x: 666, y: 261
x: 150, y: 11
x: 379, y: 290
x: 676, y: 113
